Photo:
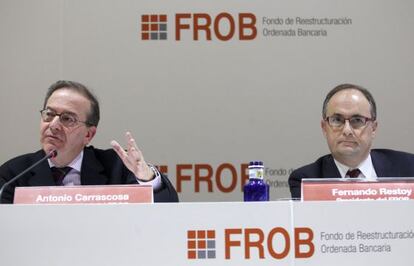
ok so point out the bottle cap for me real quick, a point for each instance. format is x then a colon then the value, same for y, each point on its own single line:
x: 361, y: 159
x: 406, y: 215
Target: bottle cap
x: 256, y: 164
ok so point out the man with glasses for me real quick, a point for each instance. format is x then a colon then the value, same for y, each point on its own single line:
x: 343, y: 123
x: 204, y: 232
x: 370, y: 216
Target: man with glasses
x: 349, y: 123
x: 69, y: 121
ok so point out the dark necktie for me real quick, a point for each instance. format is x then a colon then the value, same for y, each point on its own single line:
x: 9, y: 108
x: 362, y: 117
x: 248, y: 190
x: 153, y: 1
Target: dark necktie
x: 59, y: 174
x: 353, y: 173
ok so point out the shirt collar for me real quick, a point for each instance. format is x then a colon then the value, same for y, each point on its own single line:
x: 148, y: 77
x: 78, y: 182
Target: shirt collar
x: 75, y: 164
x: 366, y: 167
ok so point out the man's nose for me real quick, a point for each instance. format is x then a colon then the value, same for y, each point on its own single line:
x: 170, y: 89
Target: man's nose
x: 347, y: 130
x: 55, y: 123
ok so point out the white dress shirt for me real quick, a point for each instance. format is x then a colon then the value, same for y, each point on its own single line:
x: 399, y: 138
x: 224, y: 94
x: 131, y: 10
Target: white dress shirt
x: 366, y: 167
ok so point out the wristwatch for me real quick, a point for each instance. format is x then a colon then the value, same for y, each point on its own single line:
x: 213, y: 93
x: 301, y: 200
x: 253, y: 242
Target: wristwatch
x: 154, y: 170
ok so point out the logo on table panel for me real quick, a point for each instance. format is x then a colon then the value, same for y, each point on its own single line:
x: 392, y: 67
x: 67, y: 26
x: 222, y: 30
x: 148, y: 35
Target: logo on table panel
x: 201, y: 244
x: 153, y: 27
x: 253, y: 243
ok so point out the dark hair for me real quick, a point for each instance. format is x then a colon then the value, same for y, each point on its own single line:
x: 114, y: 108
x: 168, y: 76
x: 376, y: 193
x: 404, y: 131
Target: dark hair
x: 347, y: 86
x: 93, y: 117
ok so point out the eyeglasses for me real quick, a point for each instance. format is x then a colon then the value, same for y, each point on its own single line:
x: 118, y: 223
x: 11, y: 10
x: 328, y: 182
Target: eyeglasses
x: 67, y: 119
x: 356, y: 121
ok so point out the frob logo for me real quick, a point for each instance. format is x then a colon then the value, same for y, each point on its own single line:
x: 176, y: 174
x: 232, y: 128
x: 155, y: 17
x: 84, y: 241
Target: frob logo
x: 201, y: 26
x: 251, y: 243
x: 201, y: 244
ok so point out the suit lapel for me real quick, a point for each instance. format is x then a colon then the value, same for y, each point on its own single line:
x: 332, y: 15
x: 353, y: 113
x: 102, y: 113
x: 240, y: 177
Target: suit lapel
x: 329, y: 168
x: 92, y: 171
x: 382, y: 165
x: 41, y: 175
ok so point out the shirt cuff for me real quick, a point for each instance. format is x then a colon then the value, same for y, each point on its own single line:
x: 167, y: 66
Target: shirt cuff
x: 156, y: 182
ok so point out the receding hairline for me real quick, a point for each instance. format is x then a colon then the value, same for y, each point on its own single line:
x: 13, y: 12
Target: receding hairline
x: 93, y: 115
x: 69, y: 89
x: 346, y: 87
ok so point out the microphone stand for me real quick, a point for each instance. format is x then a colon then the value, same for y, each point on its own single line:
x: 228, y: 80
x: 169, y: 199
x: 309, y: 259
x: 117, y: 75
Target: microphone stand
x: 51, y: 154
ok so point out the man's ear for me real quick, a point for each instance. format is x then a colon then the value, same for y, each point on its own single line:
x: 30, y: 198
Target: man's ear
x: 90, y: 134
x: 374, y: 128
x: 323, y: 127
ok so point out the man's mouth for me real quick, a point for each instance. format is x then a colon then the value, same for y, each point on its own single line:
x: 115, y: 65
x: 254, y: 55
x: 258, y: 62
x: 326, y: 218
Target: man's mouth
x: 348, y: 142
x: 53, y: 137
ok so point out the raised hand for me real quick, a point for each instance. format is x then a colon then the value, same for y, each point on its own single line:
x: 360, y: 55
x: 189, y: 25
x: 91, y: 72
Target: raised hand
x: 133, y: 159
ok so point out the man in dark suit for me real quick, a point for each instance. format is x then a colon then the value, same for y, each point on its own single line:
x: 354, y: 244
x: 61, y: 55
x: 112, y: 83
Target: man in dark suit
x: 349, y: 124
x: 69, y: 121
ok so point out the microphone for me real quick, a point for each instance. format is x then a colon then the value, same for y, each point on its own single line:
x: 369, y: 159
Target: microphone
x: 51, y: 154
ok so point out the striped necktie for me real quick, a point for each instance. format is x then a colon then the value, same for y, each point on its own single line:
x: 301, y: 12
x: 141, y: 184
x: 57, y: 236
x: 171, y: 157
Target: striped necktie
x: 353, y: 173
x: 59, y: 174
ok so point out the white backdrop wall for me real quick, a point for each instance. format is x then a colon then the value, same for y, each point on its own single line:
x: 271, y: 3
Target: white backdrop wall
x: 208, y: 104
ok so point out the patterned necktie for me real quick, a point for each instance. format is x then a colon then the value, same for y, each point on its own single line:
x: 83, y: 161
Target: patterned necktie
x: 353, y: 173
x: 59, y: 174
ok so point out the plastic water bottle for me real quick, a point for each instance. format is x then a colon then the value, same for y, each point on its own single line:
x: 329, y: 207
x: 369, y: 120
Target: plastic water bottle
x: 256, y: 189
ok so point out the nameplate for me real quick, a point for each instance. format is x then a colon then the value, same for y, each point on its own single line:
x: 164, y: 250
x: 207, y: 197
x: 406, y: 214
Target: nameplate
x: 357, y: 189
x: 107, y: 194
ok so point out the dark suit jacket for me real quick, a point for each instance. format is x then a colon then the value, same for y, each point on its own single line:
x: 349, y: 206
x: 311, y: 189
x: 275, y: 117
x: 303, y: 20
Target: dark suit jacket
x: 387, y: 163
x: 99, y: 167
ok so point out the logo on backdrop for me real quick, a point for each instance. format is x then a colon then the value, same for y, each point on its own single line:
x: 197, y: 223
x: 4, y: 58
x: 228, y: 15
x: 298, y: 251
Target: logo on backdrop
x: 200, y: 26
x: 201, y: 244
x: 225, y: 177
x: 246, y: 26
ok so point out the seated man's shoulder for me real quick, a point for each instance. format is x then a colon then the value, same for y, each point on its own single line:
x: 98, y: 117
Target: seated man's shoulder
x: 392, y: 154
x: 22, y: 161
x: 391, y: 163
x: 313, y: 169
x: 107, y: 154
